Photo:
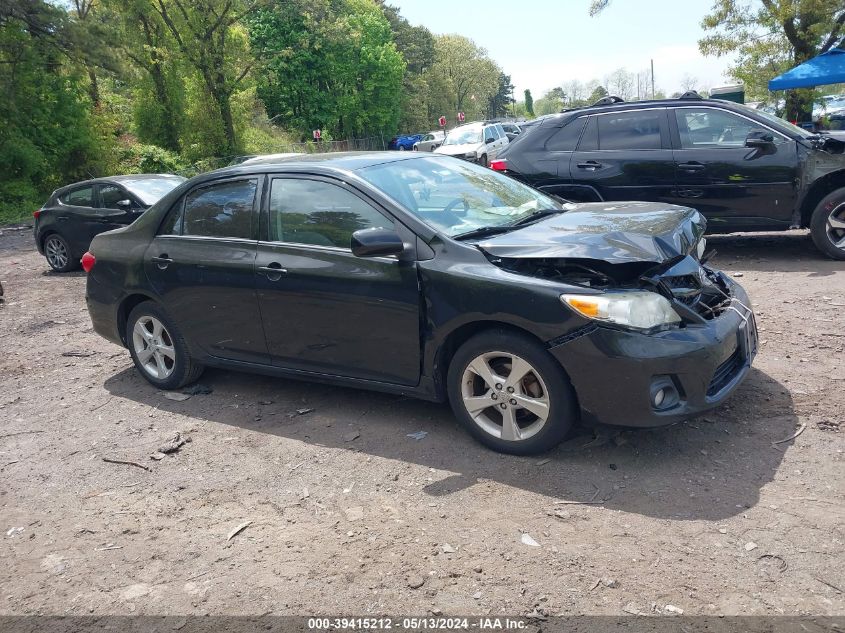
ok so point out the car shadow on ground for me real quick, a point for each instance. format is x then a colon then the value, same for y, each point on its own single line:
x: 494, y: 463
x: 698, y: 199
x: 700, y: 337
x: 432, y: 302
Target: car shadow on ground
x: 711, y: 468
x: 791, y: 251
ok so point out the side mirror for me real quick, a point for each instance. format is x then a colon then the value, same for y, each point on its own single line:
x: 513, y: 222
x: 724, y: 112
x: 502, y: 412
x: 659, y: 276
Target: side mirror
x: 758, y: 139
x: 489, y: 139
x: 124, y: 204
x: 376, y: 243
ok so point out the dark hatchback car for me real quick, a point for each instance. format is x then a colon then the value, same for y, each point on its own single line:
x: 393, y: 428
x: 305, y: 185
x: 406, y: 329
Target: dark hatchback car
x: 69, y: 220
x: 429, y: 276
x: 743, y: 169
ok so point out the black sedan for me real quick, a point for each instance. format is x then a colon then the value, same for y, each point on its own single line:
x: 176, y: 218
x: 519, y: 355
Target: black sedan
x: 429, y: 276
x: 69, y: 220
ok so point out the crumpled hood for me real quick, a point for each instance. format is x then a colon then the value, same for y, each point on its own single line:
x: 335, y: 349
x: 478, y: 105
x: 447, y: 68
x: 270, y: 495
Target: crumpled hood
x: 613, y: 232
x: 457, y: 150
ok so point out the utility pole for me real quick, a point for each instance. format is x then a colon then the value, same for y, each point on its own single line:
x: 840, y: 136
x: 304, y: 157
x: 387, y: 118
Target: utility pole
x: 652, y: 79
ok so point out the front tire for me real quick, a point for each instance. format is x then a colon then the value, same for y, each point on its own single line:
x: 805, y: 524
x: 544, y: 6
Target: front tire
x: 483, y: 160
x: 58, y: 254
x: 510, y: 394
x: 827, y: 226
x: 158, y: 349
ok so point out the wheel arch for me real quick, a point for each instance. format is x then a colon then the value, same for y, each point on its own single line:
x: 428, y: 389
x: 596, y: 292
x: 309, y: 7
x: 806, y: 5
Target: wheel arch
x: 461, y: 334
x: 818, y: 190
x: 125, y: 307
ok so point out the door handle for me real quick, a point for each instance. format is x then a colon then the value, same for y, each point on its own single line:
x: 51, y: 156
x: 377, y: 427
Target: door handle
x: 162, y: 261
x: 591, y: 165
x: 272, y: 271
x: 691, y: 166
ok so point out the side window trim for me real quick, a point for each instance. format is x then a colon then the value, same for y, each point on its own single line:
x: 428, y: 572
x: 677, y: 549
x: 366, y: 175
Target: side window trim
x: 676, y: 134
x: 665, y: 137
x: 256, y: 205
x: 265, y: 209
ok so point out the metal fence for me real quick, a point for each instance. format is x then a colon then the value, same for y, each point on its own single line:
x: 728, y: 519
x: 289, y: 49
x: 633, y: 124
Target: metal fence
x: 369, y: 143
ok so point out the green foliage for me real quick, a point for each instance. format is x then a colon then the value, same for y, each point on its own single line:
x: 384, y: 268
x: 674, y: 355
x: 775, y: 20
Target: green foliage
x: 498, y: 105
x: 467, y: 75
x: 329, y: 65
x: 771, y: 36
x: 529, y: 103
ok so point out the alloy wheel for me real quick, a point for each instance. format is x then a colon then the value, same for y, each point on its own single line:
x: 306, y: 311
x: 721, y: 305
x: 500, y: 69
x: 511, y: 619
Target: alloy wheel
x: 505, y: 396
x: 56, y: 252
x: 835, y: 226
x: 153, y: 347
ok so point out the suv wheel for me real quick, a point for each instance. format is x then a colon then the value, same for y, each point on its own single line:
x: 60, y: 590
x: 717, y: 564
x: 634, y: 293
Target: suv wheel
x: 483, y: 160
x: 57, y: 252
x: 510, y: 394
x: 827, y: 226
x: 158, y: 349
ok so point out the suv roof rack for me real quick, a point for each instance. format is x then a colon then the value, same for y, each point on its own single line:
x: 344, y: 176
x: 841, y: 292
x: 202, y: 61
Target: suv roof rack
x: 691, y: 94
x: 608, y: 100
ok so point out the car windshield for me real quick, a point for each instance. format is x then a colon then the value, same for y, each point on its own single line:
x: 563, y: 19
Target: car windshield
x: 779, y: 124
x: 151, y: 190
x: 463, y: 136
x: 456, y: 197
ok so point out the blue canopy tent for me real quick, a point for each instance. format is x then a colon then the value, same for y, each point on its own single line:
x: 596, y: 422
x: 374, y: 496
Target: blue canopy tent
x: 827, y: 68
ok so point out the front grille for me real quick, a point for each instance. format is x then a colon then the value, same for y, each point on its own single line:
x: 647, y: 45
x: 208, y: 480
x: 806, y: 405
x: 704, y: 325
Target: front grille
x: 725, y: 373
x: 707, y: 294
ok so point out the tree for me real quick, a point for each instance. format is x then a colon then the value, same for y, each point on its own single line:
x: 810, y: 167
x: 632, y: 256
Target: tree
x: 771, y: 36
x: 598, y: 92
x: 331, y: 65
x: 688, y: 82
x: 620, y: 83
x: 529, y: 103
x: 208, y: 34
x: 470, y: 75
x: 497, y: 104
x: 575, y: 92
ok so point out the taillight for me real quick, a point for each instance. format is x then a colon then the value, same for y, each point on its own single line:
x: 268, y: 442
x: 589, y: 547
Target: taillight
x: 88, y: 261
x: 36, y: 214
x: 500, y: 164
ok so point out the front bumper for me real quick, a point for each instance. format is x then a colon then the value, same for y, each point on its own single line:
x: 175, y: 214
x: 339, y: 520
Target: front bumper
x: 616, y: 372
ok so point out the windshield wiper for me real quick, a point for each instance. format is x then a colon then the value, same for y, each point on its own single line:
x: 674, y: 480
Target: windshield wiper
x: 536, y: 216
x: 483, y: 231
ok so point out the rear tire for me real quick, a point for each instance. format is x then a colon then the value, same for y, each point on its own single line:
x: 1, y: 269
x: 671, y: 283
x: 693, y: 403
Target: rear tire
x: 58, y: 254
x: 827, y: 225
x: 483, y: 160
x: 528, y: 413
x: 158, y: 348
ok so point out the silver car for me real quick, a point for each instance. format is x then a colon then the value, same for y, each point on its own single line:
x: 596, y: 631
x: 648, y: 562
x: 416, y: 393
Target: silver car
x: 430, y: 141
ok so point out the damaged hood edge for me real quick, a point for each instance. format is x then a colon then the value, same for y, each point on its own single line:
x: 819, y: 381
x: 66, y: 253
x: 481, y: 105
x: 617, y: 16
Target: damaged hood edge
x: 616, y: 233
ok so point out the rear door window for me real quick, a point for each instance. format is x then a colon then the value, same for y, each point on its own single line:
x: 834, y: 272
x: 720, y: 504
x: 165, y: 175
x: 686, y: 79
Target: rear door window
x: 81, y: 197
x: 631, y: 130
x: 566, y: 138
x: 224, y: 210
x: 590, y: 137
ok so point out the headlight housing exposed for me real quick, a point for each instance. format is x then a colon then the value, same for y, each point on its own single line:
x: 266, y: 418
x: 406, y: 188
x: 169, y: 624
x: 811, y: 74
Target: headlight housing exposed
x: 641, y: 310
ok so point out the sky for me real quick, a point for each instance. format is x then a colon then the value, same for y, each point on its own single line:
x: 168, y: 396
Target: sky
x: 542, y: 44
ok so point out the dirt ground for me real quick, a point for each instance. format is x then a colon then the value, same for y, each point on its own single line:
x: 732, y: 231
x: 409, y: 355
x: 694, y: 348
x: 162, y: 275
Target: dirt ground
x: 350, y: 515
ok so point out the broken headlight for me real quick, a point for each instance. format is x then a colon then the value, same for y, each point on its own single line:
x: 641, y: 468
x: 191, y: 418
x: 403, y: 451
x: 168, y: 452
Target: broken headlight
x: 636, y: 309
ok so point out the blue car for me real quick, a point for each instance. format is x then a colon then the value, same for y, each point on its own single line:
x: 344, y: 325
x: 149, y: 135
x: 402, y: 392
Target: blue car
x: 404, y: 142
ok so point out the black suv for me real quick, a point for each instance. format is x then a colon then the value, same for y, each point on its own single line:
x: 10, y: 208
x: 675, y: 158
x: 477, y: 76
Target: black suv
x: 744, y: 169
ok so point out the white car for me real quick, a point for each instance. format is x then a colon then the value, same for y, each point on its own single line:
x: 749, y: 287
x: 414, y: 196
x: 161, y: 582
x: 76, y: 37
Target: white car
x: 430, y: 141
x: 476, y: 142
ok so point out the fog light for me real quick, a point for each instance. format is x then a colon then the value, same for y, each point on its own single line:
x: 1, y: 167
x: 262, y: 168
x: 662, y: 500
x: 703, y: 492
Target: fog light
x: 659, y: 397
x: 664, y: 393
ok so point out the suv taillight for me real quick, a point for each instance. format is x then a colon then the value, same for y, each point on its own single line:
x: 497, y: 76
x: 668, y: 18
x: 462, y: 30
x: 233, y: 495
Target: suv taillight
x: 500, y: 164
x: 37, y: 213
x: 88, y: 261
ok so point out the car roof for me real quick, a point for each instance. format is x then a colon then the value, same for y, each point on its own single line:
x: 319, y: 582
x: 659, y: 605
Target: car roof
x: 621, y: 106
x: 120, y: 179
x: 348, y: 161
